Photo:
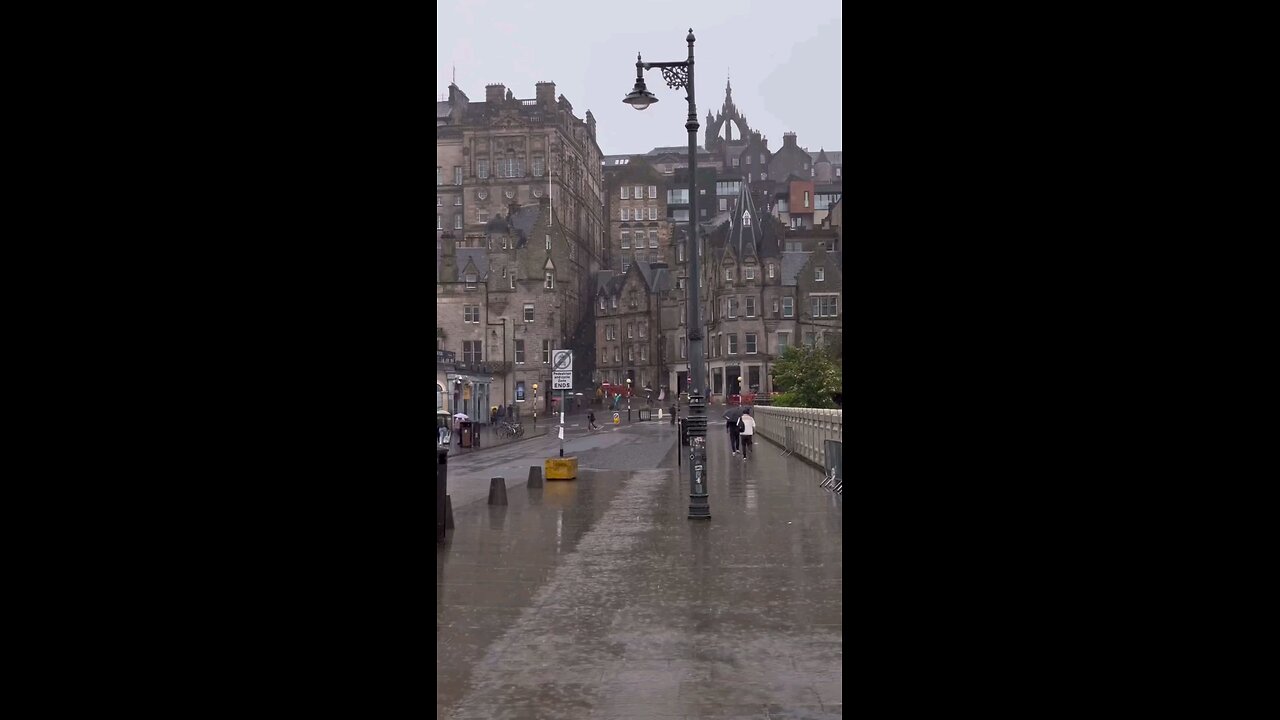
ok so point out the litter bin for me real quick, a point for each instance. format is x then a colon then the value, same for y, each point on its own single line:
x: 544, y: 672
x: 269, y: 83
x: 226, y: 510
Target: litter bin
x: 465, y: 433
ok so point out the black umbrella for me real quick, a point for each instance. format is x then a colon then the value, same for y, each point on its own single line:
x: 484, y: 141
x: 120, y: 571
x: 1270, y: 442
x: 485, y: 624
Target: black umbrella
x: 735, y: 412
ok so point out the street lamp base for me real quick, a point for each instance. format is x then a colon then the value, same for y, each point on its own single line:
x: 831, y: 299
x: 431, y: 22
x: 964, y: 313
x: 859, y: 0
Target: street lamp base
x: 699, y: 508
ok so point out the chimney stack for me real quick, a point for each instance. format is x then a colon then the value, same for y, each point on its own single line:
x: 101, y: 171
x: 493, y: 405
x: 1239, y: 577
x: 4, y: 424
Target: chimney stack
x: 789, y: 139
x: 494, y: 93
x: 545, y: 94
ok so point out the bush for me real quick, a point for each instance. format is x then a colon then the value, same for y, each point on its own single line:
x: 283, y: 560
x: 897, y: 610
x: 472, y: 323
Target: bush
x: 810, y: 377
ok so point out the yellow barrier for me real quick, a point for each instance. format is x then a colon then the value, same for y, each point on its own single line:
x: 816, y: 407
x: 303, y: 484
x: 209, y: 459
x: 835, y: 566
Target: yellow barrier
x: 565, y: 468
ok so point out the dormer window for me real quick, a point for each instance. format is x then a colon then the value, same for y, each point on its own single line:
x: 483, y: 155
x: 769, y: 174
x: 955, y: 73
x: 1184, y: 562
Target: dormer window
x: 770, y: 271
x: 549, y: 280
x: 601, y: 302
x: 746, y: 218
x: 750, y: 273
x: 728, y: 274
x: 819, y: 274
x: 470, y: 281
x: 613, y: 302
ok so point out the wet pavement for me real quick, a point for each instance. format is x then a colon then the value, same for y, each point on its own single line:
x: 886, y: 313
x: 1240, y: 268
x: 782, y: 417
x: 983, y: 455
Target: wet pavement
x: 599, y: 598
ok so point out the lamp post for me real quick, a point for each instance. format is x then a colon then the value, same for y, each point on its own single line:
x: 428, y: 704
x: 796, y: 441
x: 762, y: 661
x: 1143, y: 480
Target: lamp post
x: 535, y: 404
x: 628, y: 399
x: 740, y: 390
x: 680, y: 74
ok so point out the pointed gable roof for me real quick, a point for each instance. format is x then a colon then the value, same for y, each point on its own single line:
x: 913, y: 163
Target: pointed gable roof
x: 747, y: 221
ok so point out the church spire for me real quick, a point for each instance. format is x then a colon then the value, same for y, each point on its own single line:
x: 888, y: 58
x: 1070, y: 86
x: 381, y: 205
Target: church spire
x: 728, y: 90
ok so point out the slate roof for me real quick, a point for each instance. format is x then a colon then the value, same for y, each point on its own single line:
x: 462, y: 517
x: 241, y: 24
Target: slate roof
x: 480, y: 256
x: 442, y: 109
x: 791, y: 264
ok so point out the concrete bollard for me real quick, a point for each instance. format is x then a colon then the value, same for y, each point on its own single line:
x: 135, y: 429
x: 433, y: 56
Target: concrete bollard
x: 448, y: 512
x: 497, y: 491
x: 535, y: 476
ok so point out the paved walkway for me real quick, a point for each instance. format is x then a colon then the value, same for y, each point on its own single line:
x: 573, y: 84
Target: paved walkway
x: 598, y: 598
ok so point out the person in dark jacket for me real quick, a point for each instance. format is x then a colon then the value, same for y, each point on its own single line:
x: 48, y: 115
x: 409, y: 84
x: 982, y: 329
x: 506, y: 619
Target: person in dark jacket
x: 731, y: 426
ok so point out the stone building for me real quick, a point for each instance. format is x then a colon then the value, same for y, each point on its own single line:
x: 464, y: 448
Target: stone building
x: 519, y: 232
x: 632, y: 327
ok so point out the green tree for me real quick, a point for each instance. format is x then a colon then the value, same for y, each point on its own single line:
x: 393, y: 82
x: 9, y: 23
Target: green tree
x: 809, y: 377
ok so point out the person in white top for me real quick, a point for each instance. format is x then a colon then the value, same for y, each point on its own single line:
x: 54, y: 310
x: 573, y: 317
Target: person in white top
x: 748, y: 433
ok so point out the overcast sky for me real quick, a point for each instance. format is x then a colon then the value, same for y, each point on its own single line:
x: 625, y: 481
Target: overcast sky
x: 784, y: 61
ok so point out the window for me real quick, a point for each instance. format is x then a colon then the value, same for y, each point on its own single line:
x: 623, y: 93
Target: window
x: 471, y: 313
x: 626, y: 214
x: 653, y: 213
x: 653, y: 238
x: 806, y: 198
x: 761, y: 158
x: 511, y: 280
x: 549, y: 280
x: 788, y: 307
x: 519, y: 352
x: 471, y: 282
x: 548, y: 242
x: 808, y: 339
x: 537, y: 166
x: 733, y: 343
x: 751, y: 343
x: 783, y: 339
x: 684, y: 347
x: 482, y: 168
x: 639, y: 192
x: 611, y: 332
x: 735, y: 162
x: 626, y: 239
x: 819, y: 274
x: 471, y: 351
x: 457, y: 174
x: 748, y: 159
x: 724, y: 204
x: 631, y: 331
x: 644, y: 353
x: 626, y: 265
x: 680, y: 254
x: 457, y: 200
x: 439, y: 221
x: 546, y: 352
x: 764, y: 176
x: 519, y: 391
x: 775, y: 306
x: 680, y: 215
x: 439, y: 389
x: 617, y: 355
x: 613, y: 302
x: 733, y: 307
x: 678, y: 197
x: 644, y: 326
x: 728, y: 187
x: 457, y: 221
x: 824, y: 306
x: 728, y: 274
x: 749, y: 272
x: 631, y: 353
x: 653, y: 192
x: 439, y: 202
x: 439, y: 175
x: 528, y: 312
x: 482, y: 216
x: 601, y: 302
x: 751, y: 306
x: 770, y: 271
x: 837, y: 172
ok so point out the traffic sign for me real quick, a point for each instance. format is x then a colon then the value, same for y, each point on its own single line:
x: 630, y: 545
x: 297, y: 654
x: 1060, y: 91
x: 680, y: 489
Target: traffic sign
x: 617, y: 418
x: 562, y: 360
x: 561, y: 380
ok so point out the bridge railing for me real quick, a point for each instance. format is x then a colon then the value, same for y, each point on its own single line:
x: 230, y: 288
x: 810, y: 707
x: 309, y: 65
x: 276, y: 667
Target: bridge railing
x: 811, y: 428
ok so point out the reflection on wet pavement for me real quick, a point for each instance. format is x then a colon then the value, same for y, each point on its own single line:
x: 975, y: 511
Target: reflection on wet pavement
x: 598, y: 598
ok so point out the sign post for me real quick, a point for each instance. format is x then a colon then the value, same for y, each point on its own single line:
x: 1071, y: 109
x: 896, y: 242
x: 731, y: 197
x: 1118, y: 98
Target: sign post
x: 562, y: 379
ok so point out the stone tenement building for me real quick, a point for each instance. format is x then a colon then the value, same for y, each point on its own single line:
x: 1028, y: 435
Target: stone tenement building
x: 518, y: 232
x: 764, y: 288
x: 503, y: 307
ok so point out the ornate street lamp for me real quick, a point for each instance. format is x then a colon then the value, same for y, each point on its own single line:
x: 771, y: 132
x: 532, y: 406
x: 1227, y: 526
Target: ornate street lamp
x: 677, y: 75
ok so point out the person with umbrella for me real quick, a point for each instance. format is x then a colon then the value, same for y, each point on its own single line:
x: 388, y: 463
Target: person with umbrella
x: 731, y: 426
x: 458, y: 418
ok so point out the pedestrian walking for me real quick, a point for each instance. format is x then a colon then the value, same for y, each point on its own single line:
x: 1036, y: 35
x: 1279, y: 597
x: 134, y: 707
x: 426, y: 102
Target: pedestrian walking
x: 591, y: 420
x: 731, y: 426
x: 748, y: 429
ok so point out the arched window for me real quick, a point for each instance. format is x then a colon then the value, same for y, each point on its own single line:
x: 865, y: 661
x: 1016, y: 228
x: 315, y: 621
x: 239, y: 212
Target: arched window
x: 439, y: 397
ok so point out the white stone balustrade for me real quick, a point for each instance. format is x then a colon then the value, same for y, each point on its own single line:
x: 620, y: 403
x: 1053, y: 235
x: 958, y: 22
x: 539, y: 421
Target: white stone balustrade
x: 810, y: 428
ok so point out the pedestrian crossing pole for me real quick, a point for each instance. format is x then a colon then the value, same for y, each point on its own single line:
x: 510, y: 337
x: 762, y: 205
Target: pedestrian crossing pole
x: 561, y: 422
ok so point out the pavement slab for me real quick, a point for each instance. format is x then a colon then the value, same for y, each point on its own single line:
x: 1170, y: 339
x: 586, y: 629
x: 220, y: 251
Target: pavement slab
x: 599, y: 598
